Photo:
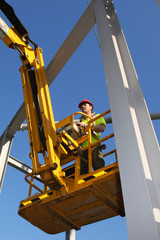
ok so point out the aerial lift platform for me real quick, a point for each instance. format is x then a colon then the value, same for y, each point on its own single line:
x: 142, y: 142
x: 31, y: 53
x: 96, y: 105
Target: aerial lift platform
x: 68, y: 199
x: 87, y: 199
x: 97, y: 197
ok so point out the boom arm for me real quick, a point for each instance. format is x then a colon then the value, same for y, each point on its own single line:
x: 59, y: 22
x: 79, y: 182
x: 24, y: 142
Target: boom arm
x: 10, y: 14
x: 40, y: 120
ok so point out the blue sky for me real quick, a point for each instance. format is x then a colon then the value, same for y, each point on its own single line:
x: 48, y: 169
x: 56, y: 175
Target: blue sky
x: 49, y: 23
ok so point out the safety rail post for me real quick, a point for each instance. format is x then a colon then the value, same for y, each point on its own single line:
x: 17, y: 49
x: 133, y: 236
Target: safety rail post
x: 31, y: 184
x: 77, y: 170
x: 89, y: 149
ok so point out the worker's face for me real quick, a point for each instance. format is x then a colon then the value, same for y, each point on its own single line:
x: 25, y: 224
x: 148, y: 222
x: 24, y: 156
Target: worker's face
x: 86, y: 108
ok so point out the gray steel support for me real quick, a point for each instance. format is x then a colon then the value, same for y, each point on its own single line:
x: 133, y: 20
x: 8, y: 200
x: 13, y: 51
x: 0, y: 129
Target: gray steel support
x: 158, y: 2
x: 13, y: 162
x: 153, y: 116
x: 5, y: 147
x: 136, y: 142
x: 71, y: 235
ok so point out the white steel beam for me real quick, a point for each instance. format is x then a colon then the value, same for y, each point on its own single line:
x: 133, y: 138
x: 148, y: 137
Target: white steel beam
x: 5, y: 147
x: 71, y: 43
x: 13, y: 162
x: 71, y: 235
x: 136, y: 143
x: 158, y: 2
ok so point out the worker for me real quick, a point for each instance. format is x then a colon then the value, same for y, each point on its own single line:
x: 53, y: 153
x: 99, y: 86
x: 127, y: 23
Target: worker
x: 99, y: 125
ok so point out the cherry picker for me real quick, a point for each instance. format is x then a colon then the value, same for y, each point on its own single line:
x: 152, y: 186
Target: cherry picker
x: 67, y: 201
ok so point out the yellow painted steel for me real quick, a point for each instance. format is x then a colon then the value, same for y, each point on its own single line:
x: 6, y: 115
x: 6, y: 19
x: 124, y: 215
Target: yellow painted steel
x: 50, y: 170
x: 94, y: 198
x: 90, y: 198
x: 35, y: 143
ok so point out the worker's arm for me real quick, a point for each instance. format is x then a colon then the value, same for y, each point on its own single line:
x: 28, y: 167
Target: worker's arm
x: 99, y: 128
x: 96, y: 128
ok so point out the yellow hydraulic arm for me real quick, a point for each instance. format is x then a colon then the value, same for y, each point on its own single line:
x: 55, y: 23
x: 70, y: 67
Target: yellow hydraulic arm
x: 40, y: 120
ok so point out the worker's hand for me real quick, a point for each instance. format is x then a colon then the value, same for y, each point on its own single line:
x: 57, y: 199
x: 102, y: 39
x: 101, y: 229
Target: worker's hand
x: 81, y: 124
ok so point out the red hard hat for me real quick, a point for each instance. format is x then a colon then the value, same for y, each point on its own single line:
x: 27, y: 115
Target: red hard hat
x: 85, y: 101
